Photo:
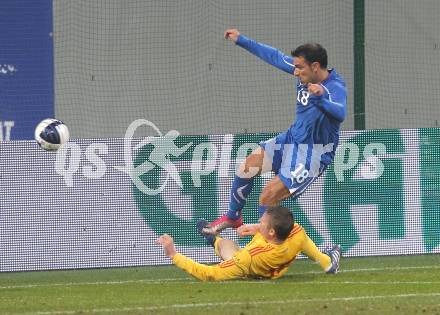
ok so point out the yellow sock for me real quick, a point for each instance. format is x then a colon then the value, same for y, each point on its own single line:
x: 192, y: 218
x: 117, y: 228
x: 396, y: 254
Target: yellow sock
x: 310, y: 250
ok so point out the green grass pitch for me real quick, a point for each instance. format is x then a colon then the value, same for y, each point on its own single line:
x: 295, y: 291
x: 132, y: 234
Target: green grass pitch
x: 374, y: 285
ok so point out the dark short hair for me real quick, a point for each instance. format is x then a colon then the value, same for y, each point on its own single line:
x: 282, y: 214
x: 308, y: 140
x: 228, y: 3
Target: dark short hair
x: 281, y: 220
x: 312, y: 52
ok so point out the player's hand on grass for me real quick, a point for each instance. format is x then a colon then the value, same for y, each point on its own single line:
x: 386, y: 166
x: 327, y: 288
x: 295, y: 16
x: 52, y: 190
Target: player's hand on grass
x: 167, y: 243
x: 232, y: 34
x: 315, y: 89
x: 248, y: 229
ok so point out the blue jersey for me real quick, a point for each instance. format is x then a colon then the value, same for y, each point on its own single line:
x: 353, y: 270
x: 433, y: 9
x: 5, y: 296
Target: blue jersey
x: 318, y: 118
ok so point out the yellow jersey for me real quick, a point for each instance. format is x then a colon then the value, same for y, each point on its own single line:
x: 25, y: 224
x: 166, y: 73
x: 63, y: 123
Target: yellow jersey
x: 258, y: 259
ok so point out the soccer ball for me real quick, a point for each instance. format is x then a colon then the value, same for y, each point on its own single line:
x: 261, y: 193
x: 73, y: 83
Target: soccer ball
x: 51, y: 134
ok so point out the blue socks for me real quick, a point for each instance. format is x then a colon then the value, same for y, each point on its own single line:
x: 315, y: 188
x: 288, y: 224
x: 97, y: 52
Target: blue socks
x: 240, y: 190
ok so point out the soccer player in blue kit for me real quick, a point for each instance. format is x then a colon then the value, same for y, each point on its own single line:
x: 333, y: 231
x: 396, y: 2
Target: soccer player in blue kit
x: 299, y: 155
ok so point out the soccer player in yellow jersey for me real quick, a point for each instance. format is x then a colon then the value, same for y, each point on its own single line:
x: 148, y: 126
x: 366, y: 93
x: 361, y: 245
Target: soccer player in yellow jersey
x: 276, y: 243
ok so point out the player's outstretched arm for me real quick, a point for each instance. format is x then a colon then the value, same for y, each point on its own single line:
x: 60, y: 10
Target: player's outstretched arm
x: 229, y: 269
x: 265, y: 52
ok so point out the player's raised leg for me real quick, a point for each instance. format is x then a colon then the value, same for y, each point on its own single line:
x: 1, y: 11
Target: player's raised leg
x: 242, y: 185
x: 272, y: 194
x: 292, y: 180
x: 224, y: 248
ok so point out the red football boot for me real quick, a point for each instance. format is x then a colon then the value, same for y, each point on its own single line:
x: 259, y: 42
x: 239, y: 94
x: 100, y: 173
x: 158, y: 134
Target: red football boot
x: 222, y: 223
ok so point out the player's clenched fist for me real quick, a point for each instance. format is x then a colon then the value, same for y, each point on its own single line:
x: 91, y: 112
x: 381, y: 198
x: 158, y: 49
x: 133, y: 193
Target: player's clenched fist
x: 315, y: 89
x: 232, y: 34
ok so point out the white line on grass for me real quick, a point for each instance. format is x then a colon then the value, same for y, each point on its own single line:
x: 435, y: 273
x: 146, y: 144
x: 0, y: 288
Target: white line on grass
x: 191, y: 281
x: 186, y: 280
x: 198, y: 305
x: 389, y: 268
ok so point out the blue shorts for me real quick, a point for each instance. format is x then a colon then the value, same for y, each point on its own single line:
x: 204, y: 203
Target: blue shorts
x: 295, y: 164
